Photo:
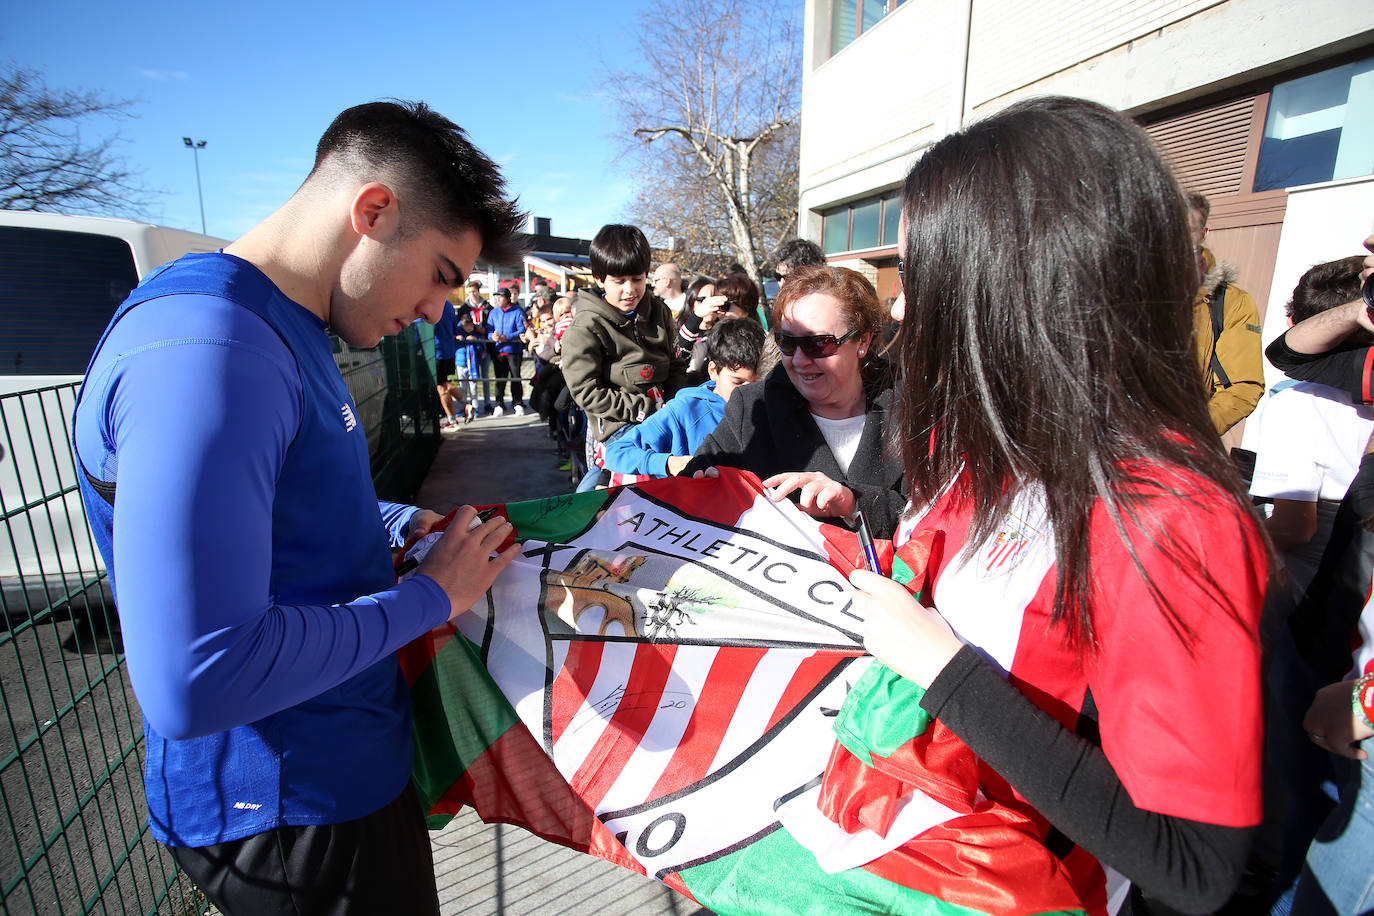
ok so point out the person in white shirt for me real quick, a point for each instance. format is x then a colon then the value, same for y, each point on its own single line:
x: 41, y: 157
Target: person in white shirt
x: 1310, y: 439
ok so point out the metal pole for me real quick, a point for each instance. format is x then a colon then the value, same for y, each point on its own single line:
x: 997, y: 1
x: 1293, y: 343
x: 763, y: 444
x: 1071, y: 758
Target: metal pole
x: 200, y: 195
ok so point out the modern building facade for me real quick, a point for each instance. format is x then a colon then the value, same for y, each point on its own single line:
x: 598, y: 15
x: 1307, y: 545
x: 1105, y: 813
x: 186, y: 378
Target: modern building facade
x: 1267, y: 106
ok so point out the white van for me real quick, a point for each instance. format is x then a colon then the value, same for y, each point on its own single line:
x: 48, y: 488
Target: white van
x: 61, y: 278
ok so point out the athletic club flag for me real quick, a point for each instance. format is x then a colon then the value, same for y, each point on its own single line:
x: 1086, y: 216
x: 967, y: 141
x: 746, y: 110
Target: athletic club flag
x: 671, y: 676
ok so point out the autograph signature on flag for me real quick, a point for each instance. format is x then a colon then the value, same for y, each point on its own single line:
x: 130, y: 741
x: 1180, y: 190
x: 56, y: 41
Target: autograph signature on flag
x: 656, y: 680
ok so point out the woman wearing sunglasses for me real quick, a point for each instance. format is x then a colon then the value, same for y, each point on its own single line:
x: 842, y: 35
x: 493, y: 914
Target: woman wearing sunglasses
x: 1085, y: 640
x: 816, y: 428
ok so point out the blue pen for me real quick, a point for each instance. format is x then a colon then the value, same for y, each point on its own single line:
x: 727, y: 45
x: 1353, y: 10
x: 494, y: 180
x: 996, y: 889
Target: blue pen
x: 866, y: 544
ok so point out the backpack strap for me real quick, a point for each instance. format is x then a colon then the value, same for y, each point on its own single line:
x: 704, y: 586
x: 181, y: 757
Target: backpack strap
x: 1216, y: 304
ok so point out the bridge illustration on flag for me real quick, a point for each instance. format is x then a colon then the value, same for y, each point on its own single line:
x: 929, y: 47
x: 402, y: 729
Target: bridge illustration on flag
x: 671, y: 676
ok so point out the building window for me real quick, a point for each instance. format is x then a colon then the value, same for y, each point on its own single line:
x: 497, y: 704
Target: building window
x: 863, y: 224
x: 851, y: 18
x: 835, y: 235
x: 892, y: 215
x: 1319, y: 128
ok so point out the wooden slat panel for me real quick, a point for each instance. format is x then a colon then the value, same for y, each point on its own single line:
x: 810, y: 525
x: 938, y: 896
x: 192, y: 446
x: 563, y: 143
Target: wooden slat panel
x: 1251, y: 249
x: 1263, y: 208
x: 1206, y: 148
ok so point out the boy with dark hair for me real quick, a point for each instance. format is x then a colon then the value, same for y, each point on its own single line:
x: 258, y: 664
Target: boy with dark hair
x: 1310, y: 439
x: 248, y: 549
x: 1326, y: 286
x: 477, y: 306
x: 618, y: 354
x: 796, y: 253
x: 662, y: 445
x: 469, y: 357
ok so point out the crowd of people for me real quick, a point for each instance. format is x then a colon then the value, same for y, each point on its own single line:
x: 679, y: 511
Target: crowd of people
x: 1097, y: 623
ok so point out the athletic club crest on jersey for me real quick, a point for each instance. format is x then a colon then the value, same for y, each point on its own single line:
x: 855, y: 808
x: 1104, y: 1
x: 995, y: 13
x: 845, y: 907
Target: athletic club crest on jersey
x: 1005, y: 550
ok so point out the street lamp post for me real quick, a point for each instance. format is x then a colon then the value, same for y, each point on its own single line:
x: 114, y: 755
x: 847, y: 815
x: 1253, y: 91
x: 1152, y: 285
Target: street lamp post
x: 195, y: 149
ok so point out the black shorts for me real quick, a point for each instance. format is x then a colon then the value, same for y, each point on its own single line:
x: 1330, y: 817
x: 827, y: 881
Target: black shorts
x: 443, y: 368
x: 380, y: 863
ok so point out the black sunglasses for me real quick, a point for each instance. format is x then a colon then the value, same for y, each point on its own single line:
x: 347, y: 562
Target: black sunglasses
x: 816, y: 346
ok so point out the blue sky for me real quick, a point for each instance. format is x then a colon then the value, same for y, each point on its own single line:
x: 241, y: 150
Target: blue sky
x: 260, y: 82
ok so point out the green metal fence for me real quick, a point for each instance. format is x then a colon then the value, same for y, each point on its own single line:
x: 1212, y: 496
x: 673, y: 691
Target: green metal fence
x: 74, y: 837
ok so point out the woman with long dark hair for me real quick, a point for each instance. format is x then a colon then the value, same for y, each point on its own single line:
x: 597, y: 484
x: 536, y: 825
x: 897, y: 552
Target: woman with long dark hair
x: 1087, y: 618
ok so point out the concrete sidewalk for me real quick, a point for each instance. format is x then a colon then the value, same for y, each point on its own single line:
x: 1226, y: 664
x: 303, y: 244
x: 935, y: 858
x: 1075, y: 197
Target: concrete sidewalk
x: 493, y: 868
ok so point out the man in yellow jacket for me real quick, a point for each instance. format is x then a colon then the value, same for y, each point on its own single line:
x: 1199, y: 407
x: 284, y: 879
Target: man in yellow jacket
x: 1228, y: 331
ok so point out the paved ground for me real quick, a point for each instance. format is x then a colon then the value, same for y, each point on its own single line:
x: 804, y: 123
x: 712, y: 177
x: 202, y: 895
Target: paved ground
x: 497, y: 869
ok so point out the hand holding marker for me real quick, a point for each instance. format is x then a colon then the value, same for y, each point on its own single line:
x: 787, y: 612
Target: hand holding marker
x: 416, y: 556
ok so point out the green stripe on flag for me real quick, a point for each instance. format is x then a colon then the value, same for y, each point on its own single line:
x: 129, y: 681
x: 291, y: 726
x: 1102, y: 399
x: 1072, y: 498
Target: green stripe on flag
x: 901, y: 573
x: 557, y: 519
x: 882, y: 713
x: 459, y: 712
x: 777, y: 876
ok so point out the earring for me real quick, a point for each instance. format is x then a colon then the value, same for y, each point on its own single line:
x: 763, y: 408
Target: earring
x: 862, y: 352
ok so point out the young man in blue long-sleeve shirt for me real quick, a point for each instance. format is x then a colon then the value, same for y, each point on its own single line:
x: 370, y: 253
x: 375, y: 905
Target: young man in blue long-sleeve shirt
x: 249, y: 554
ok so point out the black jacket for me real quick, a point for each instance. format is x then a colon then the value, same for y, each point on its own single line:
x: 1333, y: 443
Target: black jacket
x: 768, y: 429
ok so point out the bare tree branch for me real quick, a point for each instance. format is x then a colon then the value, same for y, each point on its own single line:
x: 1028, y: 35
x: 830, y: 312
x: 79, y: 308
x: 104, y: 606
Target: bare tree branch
x: 44, y: 162
x: 716, y: 106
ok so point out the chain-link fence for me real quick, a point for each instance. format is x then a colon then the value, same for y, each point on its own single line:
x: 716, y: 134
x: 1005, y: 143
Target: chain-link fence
x: 74, y: 837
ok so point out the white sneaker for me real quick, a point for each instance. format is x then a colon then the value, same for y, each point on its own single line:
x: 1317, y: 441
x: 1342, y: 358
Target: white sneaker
x: 448, y: 423
x: 519, y: 410
x: 498, y: 411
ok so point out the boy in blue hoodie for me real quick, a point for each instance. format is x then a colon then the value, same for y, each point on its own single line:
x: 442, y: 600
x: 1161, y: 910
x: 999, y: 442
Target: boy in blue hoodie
x: 662, y: 445
x: 471, y: 349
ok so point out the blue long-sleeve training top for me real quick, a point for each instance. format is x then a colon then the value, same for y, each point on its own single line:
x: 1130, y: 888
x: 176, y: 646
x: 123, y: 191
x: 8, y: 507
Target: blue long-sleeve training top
x: 250, y: 559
